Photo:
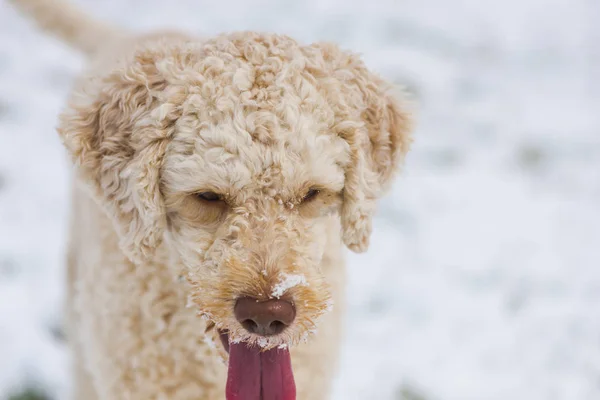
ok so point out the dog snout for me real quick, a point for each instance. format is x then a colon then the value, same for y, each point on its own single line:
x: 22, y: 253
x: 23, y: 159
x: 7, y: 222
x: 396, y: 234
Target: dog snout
x: 265, y: 318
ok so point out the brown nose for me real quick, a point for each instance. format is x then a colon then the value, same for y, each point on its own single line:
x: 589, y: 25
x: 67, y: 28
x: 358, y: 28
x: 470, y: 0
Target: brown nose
x: 265, y: 318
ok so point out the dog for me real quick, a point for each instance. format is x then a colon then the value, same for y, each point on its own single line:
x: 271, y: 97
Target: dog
x: 217, y: 182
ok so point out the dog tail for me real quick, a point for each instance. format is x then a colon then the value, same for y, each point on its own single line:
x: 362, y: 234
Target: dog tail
x: 68, y: 23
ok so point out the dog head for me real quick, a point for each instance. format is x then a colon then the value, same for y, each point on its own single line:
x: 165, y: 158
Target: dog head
x: 235, y: 155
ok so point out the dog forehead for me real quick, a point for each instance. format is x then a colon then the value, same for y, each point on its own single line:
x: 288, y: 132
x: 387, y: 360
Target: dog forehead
x: 252, y: 115
x: 220, y: 156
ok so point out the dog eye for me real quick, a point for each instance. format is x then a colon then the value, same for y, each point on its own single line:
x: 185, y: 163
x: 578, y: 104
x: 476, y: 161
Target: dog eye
x: 311, y: 194
x: 208, y: 196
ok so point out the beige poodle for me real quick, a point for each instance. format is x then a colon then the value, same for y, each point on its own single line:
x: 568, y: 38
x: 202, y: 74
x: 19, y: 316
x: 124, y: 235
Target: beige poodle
x: 216, y: 182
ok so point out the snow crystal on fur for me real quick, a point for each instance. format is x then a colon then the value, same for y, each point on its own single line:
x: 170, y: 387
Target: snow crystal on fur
x: 287, y: 281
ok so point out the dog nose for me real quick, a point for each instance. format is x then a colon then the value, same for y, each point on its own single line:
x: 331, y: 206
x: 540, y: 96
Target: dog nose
x: 265, y: 318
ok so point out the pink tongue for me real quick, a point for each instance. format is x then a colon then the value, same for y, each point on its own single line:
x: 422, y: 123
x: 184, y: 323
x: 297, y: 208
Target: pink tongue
x: 256, y: 375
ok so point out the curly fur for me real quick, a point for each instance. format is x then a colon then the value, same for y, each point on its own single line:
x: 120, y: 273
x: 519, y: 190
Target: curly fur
x: 259, y: 119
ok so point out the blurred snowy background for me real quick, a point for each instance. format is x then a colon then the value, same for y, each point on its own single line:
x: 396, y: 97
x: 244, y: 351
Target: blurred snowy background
x: 483, y: 280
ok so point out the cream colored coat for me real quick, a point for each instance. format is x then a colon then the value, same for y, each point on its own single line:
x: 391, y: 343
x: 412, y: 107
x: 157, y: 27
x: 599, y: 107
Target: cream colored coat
x: 259, y: 119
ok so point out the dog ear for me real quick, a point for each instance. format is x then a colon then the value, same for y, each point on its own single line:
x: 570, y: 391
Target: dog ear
x: 116, y: 130
x: 375, y: 122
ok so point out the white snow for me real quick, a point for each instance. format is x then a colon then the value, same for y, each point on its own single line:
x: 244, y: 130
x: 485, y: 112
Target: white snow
x: 262, y: 342
x: 483, y: 278
x: 286, y: 282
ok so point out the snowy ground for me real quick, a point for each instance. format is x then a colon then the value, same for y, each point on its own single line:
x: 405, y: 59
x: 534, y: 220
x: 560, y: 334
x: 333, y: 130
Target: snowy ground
x: 483, y: 281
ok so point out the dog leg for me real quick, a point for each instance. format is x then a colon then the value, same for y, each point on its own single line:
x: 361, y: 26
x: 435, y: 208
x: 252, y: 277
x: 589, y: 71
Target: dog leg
x: 82, y: 383
x: 82, y: 388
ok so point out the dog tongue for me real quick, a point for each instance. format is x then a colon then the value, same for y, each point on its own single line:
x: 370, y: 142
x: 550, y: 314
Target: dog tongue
x: 256, y: 375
